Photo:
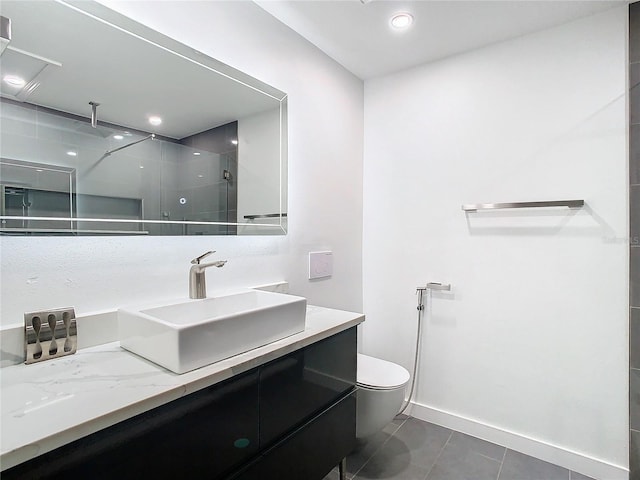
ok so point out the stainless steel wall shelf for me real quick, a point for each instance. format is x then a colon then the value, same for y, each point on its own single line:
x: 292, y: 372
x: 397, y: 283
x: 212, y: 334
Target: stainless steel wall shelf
x: 435, y: 286
x: 268, y: 215
x: 498, y: 206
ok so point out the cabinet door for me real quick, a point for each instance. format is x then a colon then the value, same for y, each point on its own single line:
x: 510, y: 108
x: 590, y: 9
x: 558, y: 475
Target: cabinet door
x: 296, y: 387
x: 310, y: 451
x: 202, y: 435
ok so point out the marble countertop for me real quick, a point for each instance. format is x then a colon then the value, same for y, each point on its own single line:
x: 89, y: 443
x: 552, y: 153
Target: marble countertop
x: 49, y: 404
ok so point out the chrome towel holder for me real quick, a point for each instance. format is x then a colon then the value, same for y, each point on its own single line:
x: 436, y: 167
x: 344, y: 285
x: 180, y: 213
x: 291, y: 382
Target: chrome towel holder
x: 498, y: 206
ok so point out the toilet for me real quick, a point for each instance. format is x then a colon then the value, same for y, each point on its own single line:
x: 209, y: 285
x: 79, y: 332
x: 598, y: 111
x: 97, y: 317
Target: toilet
x: 381, y: 390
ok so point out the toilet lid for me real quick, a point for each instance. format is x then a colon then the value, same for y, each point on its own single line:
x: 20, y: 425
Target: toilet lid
x: 379, y: 374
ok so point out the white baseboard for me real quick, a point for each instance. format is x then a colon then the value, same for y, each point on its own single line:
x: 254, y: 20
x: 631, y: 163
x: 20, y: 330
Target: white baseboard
x: 578, y: 462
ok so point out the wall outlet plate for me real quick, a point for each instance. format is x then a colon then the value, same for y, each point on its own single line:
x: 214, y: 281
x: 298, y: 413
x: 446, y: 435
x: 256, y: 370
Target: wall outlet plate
x: 320, y: 264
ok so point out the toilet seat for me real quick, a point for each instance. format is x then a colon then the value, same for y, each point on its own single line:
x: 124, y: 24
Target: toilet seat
x: 377, y: 374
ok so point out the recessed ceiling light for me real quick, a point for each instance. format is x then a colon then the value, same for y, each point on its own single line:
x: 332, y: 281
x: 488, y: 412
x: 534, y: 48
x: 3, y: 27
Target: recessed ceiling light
x: 200, y: 176
x: 71, y: 153
x: 401, y: 20
x: 235, y: 142
x: 118, y: 137
x: 14, y: 81
x: 155, y: 120
x: 141, y: 166
x: 196, y: 153
x: 39, y: 170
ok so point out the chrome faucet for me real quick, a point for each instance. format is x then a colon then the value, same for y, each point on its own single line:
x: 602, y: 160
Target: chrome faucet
x: 197, y: 279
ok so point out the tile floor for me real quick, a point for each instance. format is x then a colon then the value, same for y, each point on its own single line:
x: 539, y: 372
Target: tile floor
x: 410, y: 449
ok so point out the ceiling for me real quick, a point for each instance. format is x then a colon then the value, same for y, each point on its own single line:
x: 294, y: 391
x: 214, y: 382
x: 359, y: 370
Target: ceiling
x: 358, y: 35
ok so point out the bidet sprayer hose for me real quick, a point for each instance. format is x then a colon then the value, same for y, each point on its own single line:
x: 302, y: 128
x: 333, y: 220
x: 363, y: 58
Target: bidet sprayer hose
x: 421, y: 292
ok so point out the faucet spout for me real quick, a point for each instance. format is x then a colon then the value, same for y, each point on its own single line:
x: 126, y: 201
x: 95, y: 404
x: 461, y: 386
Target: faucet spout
x: 197, y: 277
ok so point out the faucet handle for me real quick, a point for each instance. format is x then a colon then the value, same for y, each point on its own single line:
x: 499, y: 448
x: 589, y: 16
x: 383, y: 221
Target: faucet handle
x: 197, y: 260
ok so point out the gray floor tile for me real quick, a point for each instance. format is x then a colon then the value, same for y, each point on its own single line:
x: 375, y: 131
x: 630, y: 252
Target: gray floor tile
x: 485, y: 469
x: 410, y: 449
x: 401, y: 417
x: 579, y: 476
x: 393, y: 426
x: 478, y: 446
x: 395, y: 456
x: 392, y: 462
x: 423, y: 441
x: 408, y: 454
x: 365, y: 450
x: 468, y: 458
x: 518, y: 466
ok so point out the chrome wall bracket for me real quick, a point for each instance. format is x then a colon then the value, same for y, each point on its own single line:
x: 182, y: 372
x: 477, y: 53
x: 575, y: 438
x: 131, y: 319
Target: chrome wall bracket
x: 50, y: 334
x: 446, y: 287
x: 544, y: 204
x: 439, y: 286
x: 435, y: 286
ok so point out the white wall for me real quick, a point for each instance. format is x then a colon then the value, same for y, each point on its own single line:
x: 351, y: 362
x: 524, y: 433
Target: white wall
x: 532, y: 340
x: 325, y: 209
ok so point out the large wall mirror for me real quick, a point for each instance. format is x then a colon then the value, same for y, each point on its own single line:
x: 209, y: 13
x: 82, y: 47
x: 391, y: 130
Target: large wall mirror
x: 110, y: 128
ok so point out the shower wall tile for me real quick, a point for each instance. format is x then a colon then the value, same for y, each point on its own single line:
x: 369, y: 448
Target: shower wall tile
x: 634, y: 455
x: 634, y: 92
x: 634, y: 215
x: 634, y: 231
x: 634, y: 155
x: 634, y: 273
x: 634, y: 32
x: 18, y: 121
x: 17, y: 111
x: 48, y: 129
x: 634, y: 338
x: 81, y: 136
x: 26, y: 148
x: 634, y: 399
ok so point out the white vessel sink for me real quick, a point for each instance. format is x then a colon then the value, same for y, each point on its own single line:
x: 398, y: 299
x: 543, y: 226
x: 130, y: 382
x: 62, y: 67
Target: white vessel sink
x: 190, y: 334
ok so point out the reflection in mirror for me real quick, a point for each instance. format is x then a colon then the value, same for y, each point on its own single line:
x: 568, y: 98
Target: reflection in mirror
x: 82, y: 153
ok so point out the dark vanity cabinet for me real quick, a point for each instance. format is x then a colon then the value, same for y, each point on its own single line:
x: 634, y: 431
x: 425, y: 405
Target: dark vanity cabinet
x: 310, y: 451
x: 292, y: 418
x: 202, y: 435
x: 303, y: 383
x: 307, y: 411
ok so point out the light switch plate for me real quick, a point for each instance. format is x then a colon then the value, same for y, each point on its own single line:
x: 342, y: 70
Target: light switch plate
x: 320, y: 264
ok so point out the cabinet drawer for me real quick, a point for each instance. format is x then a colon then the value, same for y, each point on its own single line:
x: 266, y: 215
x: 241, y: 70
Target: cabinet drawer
x: 298, y: 386
x: 312, y: 450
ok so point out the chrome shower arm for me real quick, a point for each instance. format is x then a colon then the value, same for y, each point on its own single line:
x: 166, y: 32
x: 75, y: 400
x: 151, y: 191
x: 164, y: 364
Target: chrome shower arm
x: 109, y: 152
